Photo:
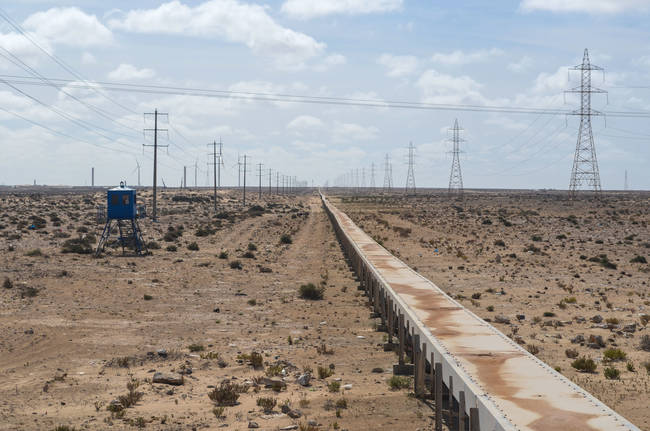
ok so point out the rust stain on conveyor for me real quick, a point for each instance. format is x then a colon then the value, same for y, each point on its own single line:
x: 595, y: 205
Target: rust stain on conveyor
x: 532, y: 396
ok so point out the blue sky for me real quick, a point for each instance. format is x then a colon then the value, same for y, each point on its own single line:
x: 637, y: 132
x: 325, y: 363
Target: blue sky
x: 506, y: 53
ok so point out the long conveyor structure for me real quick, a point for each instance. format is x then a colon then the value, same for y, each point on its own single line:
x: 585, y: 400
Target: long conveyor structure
x: 492, y: 383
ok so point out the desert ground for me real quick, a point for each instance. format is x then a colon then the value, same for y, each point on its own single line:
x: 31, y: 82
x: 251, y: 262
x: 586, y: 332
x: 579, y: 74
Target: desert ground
x: 566, y: 279
x: 81, y: 338
x: 93, y: 343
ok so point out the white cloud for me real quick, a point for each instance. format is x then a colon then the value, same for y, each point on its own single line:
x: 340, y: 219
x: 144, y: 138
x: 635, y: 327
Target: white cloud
x: 237, y: 22
x: 308, y: 146
x: 337, y: 131
x: 551, y: 82
x: 88, y: 58
x: 432, y: 151
x: 546, y: 91
x: 519, y: 66
x: 330, y: 61
x: 458, y: 57
x: 347, y: 132
x: 504, y: 122
x: 21, y: 47
x: 304, y: 122
x: 14, y: 102
x: 335, y: 60
x: 438, y: 87
x: 264, y: 87
x: 307, y: 9
x: 588, y: 6
x: 643, y: 61
x: 68, y: 26
x: 398, y: 65
x: 126, y: 72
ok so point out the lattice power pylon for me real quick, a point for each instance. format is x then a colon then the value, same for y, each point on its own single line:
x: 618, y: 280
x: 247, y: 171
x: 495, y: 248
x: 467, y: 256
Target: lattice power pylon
x: 388, y: 175
x: 456, y: 176
x: 585, y: 165
x: 410, y: 176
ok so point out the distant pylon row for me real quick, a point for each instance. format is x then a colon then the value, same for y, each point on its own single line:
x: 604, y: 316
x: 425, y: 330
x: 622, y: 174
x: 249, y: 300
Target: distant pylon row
x: 354, y: 181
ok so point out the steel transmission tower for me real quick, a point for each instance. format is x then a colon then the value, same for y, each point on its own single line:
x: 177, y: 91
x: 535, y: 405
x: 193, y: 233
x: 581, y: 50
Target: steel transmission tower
x: 585, y: 166
x: 372, y: 175
x: 626, y: 186
x: 410, y: 176
x: 456, y: 177
x: 388, y: 174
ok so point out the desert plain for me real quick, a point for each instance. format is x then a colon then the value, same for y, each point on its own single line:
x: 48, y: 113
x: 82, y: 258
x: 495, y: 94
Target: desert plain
x: 223, y: 326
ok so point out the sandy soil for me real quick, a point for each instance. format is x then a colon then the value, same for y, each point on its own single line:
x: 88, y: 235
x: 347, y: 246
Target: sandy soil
x: 75, y: 329
x: 533, y: 265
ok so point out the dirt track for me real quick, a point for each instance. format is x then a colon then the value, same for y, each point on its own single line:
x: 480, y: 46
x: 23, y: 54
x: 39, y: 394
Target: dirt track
x: 70, y: 349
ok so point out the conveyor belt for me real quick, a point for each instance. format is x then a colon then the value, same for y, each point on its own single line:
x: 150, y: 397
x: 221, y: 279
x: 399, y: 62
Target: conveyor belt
x: 507, y: 387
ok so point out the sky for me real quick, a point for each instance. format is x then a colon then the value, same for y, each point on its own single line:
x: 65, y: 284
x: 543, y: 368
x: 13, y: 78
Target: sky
x: 502, y: 53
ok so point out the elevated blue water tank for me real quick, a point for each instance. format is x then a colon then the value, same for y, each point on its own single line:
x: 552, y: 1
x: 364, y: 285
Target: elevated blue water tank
x: 121, y: 203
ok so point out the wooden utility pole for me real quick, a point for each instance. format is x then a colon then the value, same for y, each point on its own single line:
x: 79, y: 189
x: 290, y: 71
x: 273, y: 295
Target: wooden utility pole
x: 155, y: 146
x: 214, y: 168
x: 259, y: 174
x: 244, y: 200
x: 220, y: 162
x: 196, y: 173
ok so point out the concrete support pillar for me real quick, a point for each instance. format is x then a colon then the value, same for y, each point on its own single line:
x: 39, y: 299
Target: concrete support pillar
x: 391, y: 321
x: 377, y: 306
x: 452, y: 410
x: 438, y: 383
x: 409, y: 341
x: 414, y: 357
x: 401, y: 336
x: 473, y: 420
x: 433, y: 377
x: 461, y: 411
x: 417, y: 360
x: 422, y: 357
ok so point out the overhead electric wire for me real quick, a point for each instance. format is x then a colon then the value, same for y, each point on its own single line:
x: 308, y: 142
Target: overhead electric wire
x: 69, y: 118
x: 530, y: 156
x: 635, y: 138
x: 526, y: 143
x: 289, y: 98
x: 59, y: 112
x: 4, y: 15
x: 62, y: 134
x: 618, y: 129
x: 18, y: 62
x: 542, y: 168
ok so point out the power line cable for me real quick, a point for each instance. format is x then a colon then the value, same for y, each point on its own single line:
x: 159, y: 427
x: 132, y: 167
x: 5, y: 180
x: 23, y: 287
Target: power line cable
x: 530, y: 157
x: 62, y: 134
x: 4, y: 15
x: 61, y: 113
x: 272, y: 97
x: 21, y: 64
